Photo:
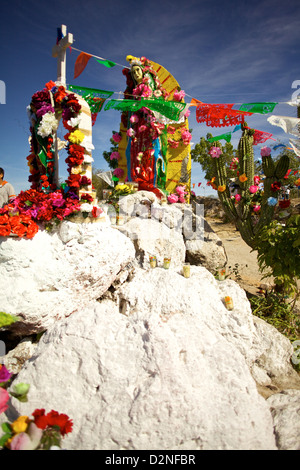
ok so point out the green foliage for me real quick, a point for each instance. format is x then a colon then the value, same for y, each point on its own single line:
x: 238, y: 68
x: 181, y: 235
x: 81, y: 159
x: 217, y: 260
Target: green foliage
x: 106, y: 154
x: 278, y: 313
x: 6, y: 319
x: 200, y: 154
x: 278, y: 247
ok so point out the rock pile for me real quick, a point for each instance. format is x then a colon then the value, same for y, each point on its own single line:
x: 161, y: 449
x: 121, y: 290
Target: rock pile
x: 140, y: 357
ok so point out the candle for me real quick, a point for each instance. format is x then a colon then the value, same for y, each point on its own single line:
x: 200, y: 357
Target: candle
x: 186, y: 270
x: 120, y: 219
x: 221, y: 274
x: 167, y: 262
x: 228, y: 302
x: 152, y: 261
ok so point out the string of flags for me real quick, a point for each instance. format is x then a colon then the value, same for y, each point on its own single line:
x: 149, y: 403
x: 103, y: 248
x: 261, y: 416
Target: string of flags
x: 214, y: 115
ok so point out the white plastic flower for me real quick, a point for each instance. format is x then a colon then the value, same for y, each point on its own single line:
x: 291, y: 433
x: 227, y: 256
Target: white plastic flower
x: 74, y: 121
x: 48, y: 125
x: 86, y: 207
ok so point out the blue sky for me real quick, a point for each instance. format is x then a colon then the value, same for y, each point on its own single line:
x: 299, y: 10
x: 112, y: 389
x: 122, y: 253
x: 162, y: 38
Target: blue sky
x: 219, y: 52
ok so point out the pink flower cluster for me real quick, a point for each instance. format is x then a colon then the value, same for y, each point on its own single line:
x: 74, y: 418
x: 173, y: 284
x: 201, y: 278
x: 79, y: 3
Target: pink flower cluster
x: 142, y: 90
x: 178, y: 95
x: 179, y: 197
x: 215, y: 152
x: 265, y: 151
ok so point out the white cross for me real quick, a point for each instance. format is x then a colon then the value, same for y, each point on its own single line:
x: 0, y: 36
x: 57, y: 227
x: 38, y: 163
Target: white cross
x: 59, y: 51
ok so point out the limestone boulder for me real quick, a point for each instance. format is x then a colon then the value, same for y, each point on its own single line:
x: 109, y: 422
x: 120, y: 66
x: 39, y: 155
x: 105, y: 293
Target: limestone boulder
x: 151, y: 237
x: 54, y: 274
x: 171, y: 372
x: 285, y: 409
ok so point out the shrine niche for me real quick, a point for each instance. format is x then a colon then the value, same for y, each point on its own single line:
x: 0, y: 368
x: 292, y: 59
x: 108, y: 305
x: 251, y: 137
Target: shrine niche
x: 154, y: 147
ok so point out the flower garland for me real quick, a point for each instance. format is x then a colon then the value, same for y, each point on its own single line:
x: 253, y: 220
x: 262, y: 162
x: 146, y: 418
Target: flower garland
x: 44, y: 202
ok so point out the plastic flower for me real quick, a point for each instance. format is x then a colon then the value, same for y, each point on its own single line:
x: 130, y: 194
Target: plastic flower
x: 275, y: 186
x: 117, y: 137
x: 256, y: 208
x: 178, y: 95
x: 172, y: 198
x: 186, y: 136
x: 297, y: 182
x: 4, y: 397
x: 130, y: 132
x: 237, y: 197
x: 243, y: 178
x: 222, y: 188
x: 253, y: 189
x: 76, y: 137
x: 272, y: 201
x: 20, y: 424
x: 256, y: 179
x: 48, y: 125
x: 53, y: 418
x: 115, y: 156
x: 27, y: 440
x: 265, y: 151
x: 118, y: 172
x: 74, y: 121
x: 142, y: 128
x: 134, y: 118
x: 5, y: 375
x: 215, y: 152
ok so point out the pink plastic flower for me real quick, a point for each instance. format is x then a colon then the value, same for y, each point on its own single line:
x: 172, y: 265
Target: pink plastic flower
x: 237, y: 197
x: 215, y: 152
x: 130, y: 132
x: 134, y: 118
x: 253, y: 189
x: 118, y: 172
x: 116, y: 137
x: 178, y: 95
x: 265, y: 151
x: 256, y: 208
x: 186, y: 136
x: 180, y: 190
x: 5, y: 375
x: 142, y: 128
x: 4, y: 397
x: 27, y: 440
x: 172, y: 198
x: 115, y: 156
x: 256, y: 179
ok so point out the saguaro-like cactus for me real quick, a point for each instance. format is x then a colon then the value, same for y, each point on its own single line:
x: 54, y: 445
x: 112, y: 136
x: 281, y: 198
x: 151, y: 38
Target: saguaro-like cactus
x: 241, y: 212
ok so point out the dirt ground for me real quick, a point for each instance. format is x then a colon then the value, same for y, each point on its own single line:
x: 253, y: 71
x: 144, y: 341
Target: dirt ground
x: 242, y: 260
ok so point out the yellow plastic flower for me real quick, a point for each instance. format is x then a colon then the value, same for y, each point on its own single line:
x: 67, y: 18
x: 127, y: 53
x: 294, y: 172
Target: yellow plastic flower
x: 243, y: 178
x: 20, y: 424
x: 222, y: 188
x: 76, y: 137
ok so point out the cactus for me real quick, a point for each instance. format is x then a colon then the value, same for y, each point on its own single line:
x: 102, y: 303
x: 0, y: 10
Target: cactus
x: 241, y: 214
x: 282, y: 167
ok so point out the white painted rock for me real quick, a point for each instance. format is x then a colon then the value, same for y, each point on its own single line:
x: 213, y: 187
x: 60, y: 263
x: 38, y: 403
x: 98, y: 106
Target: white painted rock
x: 171, y: 374
x: 154, y: 238
x: 53, y: 275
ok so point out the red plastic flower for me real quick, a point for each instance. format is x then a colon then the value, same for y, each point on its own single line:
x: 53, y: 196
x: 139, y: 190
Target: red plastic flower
x: 53, y: 418
x: 275, y: 186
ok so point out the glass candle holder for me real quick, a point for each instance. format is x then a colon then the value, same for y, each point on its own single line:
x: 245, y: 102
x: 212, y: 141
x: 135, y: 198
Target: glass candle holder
x: 221, y: 274
x: 228, y: 302
x: 167, y: 262
x: 120, y: 219
x: 152, y: 260
x: 186, y: 269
